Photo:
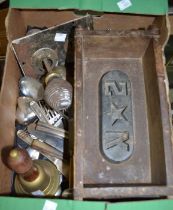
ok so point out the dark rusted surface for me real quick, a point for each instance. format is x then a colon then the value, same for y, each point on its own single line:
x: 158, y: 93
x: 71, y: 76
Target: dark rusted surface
x: 120, y: 143
x: 116, y: 121
x: 27, y: 49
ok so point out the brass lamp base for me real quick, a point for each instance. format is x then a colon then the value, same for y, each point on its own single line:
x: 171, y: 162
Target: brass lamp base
x: 50, y: 189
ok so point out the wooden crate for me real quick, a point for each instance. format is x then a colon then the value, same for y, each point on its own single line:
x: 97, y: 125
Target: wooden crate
x: 122, y: 126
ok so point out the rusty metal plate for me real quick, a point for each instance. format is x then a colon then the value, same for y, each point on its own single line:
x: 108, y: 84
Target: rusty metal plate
x: 52, y: 43
x: 116, y: 116
x: 118, y: 142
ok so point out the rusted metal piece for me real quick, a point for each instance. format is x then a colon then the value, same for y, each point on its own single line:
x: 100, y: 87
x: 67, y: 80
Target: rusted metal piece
x: 51, y: 43
x: 119, y: 145
x: 39, y: 57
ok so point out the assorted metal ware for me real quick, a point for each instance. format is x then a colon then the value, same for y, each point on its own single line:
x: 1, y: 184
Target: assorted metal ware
x: 103, y: 141
x: 42, y: 115
x: 51, y: 43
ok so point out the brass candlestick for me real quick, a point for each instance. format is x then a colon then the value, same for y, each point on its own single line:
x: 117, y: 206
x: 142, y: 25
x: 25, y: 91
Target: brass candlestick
x: 37, y: 177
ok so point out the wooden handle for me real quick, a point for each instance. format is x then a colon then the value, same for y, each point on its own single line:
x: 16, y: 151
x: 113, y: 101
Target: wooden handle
x: 19, y: 161
x: 39, y: 145
x: 47, y: 149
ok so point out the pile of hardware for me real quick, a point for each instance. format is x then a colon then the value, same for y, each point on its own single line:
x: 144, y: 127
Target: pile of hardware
x: 41, y: 158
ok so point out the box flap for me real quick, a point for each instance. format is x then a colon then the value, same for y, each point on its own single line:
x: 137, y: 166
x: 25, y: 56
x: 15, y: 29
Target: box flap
x: 142, y: 205
x: 9, y: 203
x: 123, y: 6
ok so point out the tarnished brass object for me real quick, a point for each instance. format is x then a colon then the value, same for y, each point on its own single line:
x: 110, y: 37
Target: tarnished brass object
x: 47, y: 183
x: 62, y: 165
x: 50, y: 76
x: 58, y: 71
x: 38, y: 177
x: 37, y: 59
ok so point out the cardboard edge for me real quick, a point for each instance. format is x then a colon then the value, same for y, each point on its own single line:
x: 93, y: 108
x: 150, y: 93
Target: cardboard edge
x: 142, y: 205
x: 102, y: 6
x: 90, y: 9
x: 14, y: 203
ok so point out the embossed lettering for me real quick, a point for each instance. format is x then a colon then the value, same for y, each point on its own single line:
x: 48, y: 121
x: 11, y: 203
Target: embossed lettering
x: 115, y: 88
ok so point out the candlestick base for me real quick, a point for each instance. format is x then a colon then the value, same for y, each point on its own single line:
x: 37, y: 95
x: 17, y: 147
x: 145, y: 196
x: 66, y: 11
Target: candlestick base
x: 48, y: 187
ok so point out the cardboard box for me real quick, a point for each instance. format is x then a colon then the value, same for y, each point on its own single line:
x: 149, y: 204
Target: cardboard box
x: 17, y: 22
x: 10, y: 203
x: 120, y: 6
